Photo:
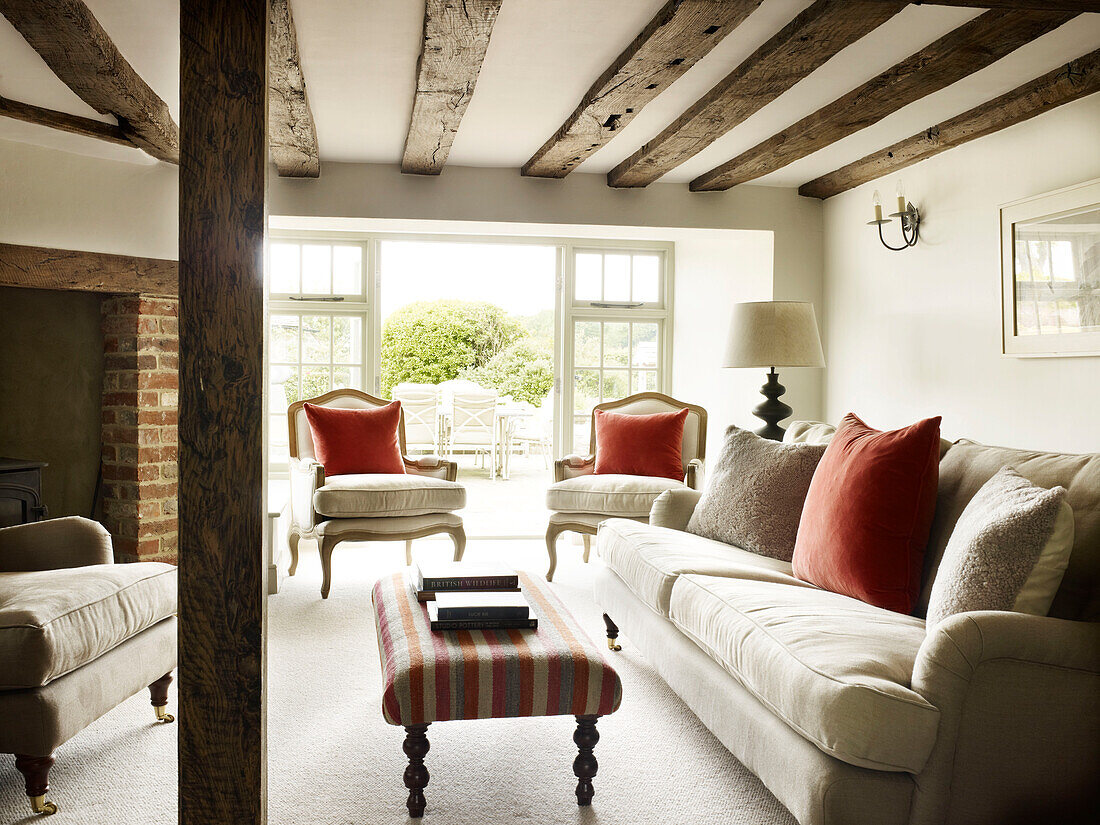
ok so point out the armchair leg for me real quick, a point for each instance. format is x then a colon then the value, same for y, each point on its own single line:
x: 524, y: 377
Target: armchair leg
x: 292, y: 539
x: 587, y: 539
x: 552, y: 533
x: 408, y: 552
x: 327, y: 546
x: 36, y: 775
x: 158, y: 698
x: 459, y: 536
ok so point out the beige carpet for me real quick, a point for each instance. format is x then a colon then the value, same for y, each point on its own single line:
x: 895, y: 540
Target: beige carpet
x: 334, y: 761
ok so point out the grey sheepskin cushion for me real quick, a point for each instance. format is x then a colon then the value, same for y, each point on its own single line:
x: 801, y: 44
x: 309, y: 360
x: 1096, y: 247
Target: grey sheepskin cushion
x: 995, y: 546
x: 755, y: 494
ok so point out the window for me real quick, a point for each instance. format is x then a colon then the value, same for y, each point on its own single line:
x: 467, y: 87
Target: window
x: 317, y: 329
x: 617, y: 331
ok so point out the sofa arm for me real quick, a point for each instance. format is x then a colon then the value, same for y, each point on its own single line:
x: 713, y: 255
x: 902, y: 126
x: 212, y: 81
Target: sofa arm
x: 1019, y: 719
x: 431, y: 465
x: 54, y: 544
x: 574, y: 465
x: 306, y: 476
x: 673, y: 508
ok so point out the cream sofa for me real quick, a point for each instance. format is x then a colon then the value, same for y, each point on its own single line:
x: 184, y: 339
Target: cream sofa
x: 852, y: 714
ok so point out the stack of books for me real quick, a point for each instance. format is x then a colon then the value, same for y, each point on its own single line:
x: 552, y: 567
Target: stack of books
x: 464, y: 596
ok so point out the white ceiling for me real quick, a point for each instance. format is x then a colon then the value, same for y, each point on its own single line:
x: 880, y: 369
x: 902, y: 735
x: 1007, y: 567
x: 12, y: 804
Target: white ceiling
x: 359, y: 59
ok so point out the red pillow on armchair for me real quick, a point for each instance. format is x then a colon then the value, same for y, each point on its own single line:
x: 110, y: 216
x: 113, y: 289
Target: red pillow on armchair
x: 356, y: 441
x: 640, y: 445
x: 868, y: 513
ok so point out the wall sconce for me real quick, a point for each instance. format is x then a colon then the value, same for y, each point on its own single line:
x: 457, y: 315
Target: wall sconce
x: 910, y: 220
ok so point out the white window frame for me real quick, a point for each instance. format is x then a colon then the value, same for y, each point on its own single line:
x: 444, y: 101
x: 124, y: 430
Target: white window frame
x: 566, y: 308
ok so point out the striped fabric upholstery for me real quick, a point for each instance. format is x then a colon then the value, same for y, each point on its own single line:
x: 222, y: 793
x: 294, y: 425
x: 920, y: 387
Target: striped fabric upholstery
x: 484, y: 674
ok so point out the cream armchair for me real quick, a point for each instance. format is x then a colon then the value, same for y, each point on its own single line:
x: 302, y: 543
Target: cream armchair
x: 579, y: 499
x: 361, y: 507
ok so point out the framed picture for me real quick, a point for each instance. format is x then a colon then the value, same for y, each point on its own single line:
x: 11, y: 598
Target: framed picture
x: 1050, y: 273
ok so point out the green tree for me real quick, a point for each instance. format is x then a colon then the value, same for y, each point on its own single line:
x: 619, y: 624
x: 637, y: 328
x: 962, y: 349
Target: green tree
x: 520, y: 370
x: 427, y: 342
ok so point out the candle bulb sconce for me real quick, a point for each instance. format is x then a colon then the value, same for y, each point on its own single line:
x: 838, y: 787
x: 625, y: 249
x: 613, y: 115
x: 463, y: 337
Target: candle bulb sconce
x: 910, y: 222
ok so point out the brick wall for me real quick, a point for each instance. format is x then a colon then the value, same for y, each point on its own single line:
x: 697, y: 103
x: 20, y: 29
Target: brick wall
x: 140, y: 401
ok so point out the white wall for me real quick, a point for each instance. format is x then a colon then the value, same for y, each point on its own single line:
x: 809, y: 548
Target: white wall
x: 713, y: 271
x: 917, y: 333
x: 54, y: 198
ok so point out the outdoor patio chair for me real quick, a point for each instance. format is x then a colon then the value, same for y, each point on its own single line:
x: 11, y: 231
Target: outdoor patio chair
x: 579, y: 499
x: 474, y: 425
x: 420, y: 406
x: 367, y: 507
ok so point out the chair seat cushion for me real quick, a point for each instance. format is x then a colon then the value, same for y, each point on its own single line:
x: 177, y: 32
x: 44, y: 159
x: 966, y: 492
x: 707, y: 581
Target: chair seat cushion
x: 649, y: 560
x: 837, y: 670
x: 609, y: 495
x: 378, y: 495
x: 54, y: 621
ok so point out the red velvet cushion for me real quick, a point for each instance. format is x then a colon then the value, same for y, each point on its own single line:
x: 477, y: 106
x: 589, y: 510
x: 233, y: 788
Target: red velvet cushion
x: 640, y: 445
x: 868, y: 512
x: 356, y: 441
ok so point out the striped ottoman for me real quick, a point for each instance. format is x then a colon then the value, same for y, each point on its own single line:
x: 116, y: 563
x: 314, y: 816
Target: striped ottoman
x: 487, y: 674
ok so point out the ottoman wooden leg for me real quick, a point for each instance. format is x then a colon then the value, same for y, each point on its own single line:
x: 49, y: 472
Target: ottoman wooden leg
x: 36, y: 774
x: 416, y: 775
x: 584, y: 766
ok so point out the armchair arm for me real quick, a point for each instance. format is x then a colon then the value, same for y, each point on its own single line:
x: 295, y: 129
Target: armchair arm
x: 306, y: 476
x: 673, y: 508
x: 572, y: 466
x: 431, y: 465
x: 54, y: 544
x: 693, y: 478
x: 1019, y: 719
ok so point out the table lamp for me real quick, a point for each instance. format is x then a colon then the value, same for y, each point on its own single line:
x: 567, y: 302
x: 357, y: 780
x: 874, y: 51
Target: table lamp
x: 773, y: 334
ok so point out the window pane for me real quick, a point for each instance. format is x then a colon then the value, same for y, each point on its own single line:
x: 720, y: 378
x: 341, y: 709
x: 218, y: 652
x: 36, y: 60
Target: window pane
x: 283, y: 380
x: 347, y: 339
x: 645, y: 381
x: 586, y: 390
x: 646, y: 280
x: 616, y: 278
x: 315, y: 381
x: 346, y: 377
x: 316, y: 330
x: 316, y: 269
x: 284, y: 268
x: 284, y: 339
x: 586, y: 344
x: 644, y: 345
x: 616, y: 345
x: 347, y: 270
x: 616, y: 384
x: 588, y: 276
x: 277, y: 450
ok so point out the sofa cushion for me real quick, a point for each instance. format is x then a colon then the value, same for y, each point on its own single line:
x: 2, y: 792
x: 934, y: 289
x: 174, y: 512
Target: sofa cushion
x: 356, y: 441
x: 54, y: 621
x: 649, y: 559
x: 968, y: 465
x: 835, y: 669
x: 385, y: 494
x: 611, y: 495
x: 640, y: 445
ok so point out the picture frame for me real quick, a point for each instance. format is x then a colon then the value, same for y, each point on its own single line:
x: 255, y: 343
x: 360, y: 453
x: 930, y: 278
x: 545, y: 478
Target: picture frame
x: 1050, y: 273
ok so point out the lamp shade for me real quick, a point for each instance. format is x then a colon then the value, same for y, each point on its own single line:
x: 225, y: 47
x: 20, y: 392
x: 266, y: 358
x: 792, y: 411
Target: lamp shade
x: 774, y: 334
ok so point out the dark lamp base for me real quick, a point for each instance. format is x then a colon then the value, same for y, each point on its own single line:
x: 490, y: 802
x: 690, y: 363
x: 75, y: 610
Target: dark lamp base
x: 773, y: 410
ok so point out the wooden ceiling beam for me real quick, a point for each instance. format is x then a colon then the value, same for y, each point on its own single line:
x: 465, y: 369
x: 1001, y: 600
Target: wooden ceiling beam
x: 679, y: 35
x: 74, y: 45
x: 74, y: 124
x: 969, y: 48
x: 1075, y: 80
x: 803, y: 45
x: 38, y: 267
x: 456, y: 36
x: 1077, y: 6
x: 292, y: 134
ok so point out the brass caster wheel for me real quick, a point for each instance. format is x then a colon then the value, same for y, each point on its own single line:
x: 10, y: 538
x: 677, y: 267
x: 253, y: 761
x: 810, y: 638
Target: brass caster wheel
x: 163, y: 715
x: 612, y: 645
x: 40, y: 806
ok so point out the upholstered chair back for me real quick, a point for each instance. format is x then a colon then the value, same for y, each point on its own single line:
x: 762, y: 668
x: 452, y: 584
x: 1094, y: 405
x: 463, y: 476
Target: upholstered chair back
x: 473, y: 418
x: 420, y: 410
x: 694, y: 444
x: 301, y: 438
